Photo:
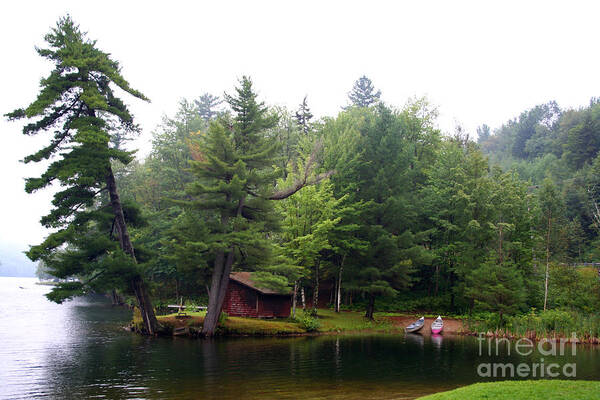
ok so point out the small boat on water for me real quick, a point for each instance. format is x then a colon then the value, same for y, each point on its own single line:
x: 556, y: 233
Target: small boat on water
x: 437, y: 325
x: 415, y: 326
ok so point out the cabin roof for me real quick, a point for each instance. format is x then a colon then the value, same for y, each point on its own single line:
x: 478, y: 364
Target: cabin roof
x: 245, y: 278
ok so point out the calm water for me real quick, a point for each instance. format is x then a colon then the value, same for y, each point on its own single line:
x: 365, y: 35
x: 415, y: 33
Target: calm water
x: 80, y: 350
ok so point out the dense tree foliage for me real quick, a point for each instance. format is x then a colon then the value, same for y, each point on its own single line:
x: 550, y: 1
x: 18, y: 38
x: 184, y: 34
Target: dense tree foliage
x: 373, y: 208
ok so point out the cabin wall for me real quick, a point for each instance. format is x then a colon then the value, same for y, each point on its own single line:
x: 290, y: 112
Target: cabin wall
x: 242, y: 301
x: 274, y: 306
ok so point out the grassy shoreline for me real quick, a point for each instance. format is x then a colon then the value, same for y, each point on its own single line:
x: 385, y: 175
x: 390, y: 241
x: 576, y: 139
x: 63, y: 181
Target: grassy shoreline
x: 549, y: 325
x: 510, y: 390
x: 328, y: 321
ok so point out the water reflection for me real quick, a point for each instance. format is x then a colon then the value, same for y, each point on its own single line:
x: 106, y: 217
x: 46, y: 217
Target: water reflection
x: 436, y: 340
x: 79, y: 350
x: 415, y: 339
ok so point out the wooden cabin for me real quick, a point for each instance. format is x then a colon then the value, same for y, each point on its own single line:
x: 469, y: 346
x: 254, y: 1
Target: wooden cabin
x: 245, y: 299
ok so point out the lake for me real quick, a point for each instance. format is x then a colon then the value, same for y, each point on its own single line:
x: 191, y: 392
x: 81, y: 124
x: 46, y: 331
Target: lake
x: 80, y: 349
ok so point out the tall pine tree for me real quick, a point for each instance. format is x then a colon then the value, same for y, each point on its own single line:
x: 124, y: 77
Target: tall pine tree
x: 78, y: 104
x: 235, y: 177
x: 363, y: 93
x: 208, y: 106
x: 303, y: 117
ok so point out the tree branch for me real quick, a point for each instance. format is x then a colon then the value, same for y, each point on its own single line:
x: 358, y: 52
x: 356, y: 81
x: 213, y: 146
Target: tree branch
x: 299, y: 184
x: 93, y: 277
x: 304, y: 181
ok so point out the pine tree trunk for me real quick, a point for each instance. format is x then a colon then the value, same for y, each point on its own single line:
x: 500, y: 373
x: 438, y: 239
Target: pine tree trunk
x: 145, y: 306
x: 303, y: 296
x: 370, y: 307
x: 211, y: 318
x: 150, y: 324
x: 115, y: 202
x: 219, y: 282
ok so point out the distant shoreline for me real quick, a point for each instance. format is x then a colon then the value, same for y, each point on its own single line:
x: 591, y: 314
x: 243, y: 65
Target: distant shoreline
x: 47, y: 283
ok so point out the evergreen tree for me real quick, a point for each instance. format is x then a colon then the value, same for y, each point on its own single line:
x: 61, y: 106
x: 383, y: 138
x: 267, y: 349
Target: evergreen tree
x: 363, y: 93
x: 496, y: 287
x: 234, y: 186
x: 483, y: 133
x: 457, y: 204
x: 207, y: 106
x: 235, y: 177
x: 499, y: 281
x: 77, y: 101
x: 172, y: 150
x: 303, y: 117
x: 377, y: 173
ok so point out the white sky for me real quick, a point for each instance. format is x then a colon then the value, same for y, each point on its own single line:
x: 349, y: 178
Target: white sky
x: 479, y: 62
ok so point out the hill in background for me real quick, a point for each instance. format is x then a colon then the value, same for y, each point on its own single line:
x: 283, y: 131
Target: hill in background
x: 14, y: 263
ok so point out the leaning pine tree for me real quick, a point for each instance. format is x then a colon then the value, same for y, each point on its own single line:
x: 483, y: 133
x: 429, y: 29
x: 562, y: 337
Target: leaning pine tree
x: 78, y: 104
x: 235, y: 185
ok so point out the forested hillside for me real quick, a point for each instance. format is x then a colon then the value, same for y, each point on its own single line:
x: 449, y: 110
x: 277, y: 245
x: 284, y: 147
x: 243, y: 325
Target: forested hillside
x: 560, y: 146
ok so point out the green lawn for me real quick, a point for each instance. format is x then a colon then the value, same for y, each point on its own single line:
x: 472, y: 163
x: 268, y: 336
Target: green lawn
x: 329, y: 321
x: 510, y: 390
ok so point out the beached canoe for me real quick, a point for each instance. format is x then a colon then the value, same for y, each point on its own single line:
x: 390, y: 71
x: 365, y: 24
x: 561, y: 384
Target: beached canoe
x: 437, y: 325
x: 415, y: 326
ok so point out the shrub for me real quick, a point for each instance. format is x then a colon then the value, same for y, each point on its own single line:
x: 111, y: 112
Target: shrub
x: 557, y: 320
x: 308, y: 322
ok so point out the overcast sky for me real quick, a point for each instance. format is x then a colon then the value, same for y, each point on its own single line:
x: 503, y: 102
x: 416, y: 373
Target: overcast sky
x: 478, y: 62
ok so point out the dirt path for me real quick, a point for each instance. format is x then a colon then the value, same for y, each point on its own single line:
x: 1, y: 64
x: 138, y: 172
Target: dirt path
x: 450, y: 325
